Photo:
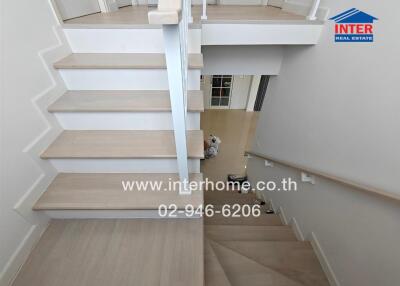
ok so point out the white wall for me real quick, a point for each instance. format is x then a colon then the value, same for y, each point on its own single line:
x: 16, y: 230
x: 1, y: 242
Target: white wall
x: 335, y: 108
x: 341, y: 97
x: 28, y: 86
x: 239, y: 93
x: 122, y: 3
x: 357, y: 231
x: 72, y: 8
x: 254, y: 60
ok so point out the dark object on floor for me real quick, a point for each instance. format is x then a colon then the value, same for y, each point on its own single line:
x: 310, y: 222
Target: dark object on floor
x: 270, y: 211
x: 259, y: 202
x: 237, y: 179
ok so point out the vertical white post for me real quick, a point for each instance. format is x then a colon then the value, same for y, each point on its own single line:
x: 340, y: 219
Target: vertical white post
x: 177, y: 94
x: 255, y: 83
x: 314, y: 10
x: 190, y: 11
x: 204, y: 15
x: 107, y: 6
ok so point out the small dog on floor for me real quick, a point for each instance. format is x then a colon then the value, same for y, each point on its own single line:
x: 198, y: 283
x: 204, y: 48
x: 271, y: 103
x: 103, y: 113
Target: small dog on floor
x: 211, y: 146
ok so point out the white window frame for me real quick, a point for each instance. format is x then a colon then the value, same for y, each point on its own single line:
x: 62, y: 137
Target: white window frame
x: 230, y: 93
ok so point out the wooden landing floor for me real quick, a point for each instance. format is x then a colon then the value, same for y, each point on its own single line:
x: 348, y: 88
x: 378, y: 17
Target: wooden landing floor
x: 137, y: 15
x: 117, y: 252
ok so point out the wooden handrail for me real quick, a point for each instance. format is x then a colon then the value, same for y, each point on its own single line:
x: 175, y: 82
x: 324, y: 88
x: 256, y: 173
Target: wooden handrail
x: 337, y: 179
x: 168, y: 13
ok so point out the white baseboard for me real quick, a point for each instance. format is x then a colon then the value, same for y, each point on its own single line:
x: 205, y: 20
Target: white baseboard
x: 296, y: 229
x: 40, y: 102
x: 282, y: 216
x: 38, y: 222
x: 20, y: 255
x: 333, y: 281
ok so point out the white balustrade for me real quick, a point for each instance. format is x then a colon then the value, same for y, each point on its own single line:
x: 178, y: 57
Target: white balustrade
x: 174, y: 16
x: 312, y: 15
x: 204, y: 15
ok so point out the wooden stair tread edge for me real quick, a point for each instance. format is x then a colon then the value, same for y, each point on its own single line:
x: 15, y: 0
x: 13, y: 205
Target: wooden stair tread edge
x: 242, y: 270
x: 214, y: 273
x: 121, y: 61
x: 96, y: 191
x: 249, y: 233
x: 294, y: 259
x: 264, y: 219
x: 116, y: 144
x: 122, y: 101
x: 109, y: 247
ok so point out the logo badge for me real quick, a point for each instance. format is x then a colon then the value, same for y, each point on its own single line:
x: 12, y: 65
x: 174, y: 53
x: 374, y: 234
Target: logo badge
x: 354, y: 26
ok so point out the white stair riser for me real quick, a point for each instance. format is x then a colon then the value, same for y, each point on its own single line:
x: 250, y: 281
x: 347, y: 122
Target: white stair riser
x: 109, y: 214
x: 123, y: 79
x: 123, y: 120
x: 124, y: 40
x: 122, y: 165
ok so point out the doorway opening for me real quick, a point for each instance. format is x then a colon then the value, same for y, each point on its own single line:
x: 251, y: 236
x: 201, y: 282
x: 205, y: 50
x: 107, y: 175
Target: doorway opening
x: 232, y: 104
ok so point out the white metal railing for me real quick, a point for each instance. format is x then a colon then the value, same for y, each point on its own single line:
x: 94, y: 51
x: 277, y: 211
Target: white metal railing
x: 312, y: 15
x: 204, y: 14
x: 174, y: 16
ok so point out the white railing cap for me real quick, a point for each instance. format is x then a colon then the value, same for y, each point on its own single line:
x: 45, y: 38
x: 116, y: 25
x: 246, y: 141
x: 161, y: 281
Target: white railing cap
x: 168, y: 13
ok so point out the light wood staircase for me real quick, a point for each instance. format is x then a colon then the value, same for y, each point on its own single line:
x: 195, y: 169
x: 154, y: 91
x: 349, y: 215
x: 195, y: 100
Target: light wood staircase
x: 106, y: 147
x: 256, y: 251
x: 118, y: 126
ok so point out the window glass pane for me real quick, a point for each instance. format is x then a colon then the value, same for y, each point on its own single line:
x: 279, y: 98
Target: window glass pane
x: 216, y: 92
x: 224, y: 101
x: 215, y: 101
x: 225, y: 92
x: 216, y: 82
x: 226, y: 82
x: 218, y: 75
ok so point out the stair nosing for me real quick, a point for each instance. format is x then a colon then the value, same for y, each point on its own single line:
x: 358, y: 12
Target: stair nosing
x: 217, y: 259
x: 65, y: 146
x: 65, y: 184
x: 61, y: 105
x: 77, y: 61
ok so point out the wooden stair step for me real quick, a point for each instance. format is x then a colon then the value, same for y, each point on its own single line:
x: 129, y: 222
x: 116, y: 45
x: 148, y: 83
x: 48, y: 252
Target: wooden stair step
x: 121, y: 61
x: 122, y: 101
x: 106, y: 252
x: 263, y: 219
x: 70, y: 191
x: 229, y: 197
x: 121, y: 145
x: 293, y: 259
x: 214, y: 273
x: 241, y: 270
x: 249, y: 233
